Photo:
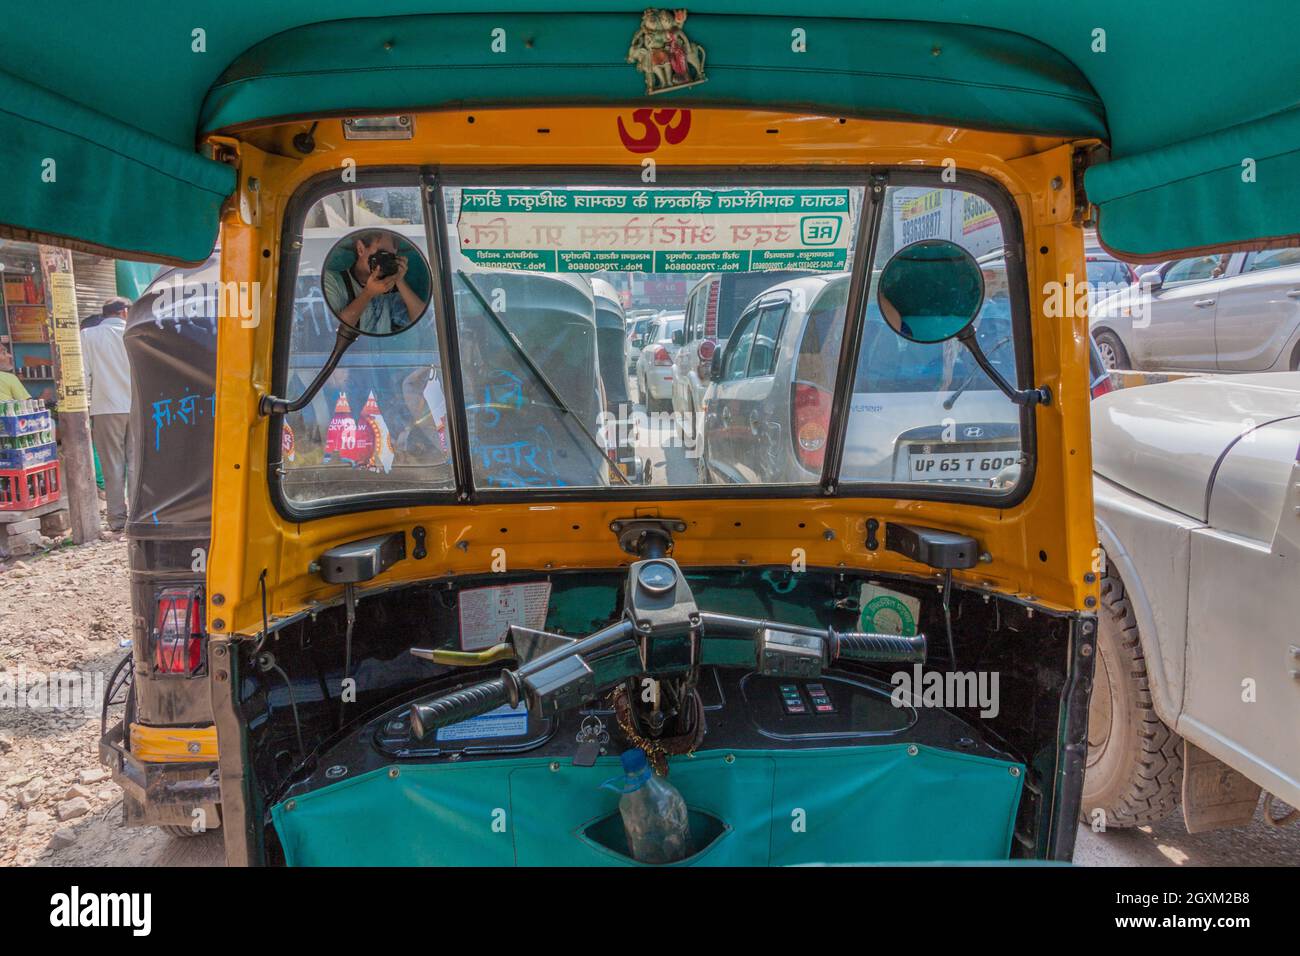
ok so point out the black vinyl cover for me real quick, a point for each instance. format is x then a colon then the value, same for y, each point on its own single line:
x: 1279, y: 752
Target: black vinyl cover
x: 171, y: 340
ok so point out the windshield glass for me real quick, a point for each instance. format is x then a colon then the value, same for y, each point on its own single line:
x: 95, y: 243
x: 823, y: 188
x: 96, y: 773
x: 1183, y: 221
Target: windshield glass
x: 633, y: 337
x: 519, y: 245
x: 380, y: 422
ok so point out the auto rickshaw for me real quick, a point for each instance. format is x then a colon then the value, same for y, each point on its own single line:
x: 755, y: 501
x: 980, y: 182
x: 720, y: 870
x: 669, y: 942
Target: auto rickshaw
x: 437, y: 656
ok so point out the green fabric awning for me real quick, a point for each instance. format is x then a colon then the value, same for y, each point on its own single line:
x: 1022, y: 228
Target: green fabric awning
x: 1182, y: 93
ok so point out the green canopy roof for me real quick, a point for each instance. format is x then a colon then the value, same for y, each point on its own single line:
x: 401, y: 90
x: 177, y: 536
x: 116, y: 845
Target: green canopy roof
x: 100, y: 105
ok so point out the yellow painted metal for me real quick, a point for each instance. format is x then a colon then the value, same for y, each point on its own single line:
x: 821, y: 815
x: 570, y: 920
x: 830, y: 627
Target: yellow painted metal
x: 173, y: 744
x: 1043, y: 550
x: 493, y: 655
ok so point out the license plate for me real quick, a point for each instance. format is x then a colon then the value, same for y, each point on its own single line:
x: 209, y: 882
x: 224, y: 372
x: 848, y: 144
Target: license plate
x: 959, y: 465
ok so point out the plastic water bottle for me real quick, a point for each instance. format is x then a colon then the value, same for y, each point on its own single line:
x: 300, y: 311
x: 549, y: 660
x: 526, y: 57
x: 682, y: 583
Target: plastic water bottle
x: 654, y: 813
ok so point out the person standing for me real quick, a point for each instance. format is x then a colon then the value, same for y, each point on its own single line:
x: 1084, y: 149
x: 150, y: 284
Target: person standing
x: 12, y: 388
x: 108, y: 379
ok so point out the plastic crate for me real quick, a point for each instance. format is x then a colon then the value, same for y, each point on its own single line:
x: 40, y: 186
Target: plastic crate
x: 23, y: 488
x: 11, y: 426
x: 20, y: 459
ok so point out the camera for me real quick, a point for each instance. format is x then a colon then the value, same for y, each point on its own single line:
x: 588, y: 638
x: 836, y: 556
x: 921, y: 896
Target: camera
x: 384, y: 263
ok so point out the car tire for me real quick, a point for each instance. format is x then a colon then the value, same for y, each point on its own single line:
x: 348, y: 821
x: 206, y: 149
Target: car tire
x: 1134, y: 771
x: 1112, y: 350
x: 702, y: 474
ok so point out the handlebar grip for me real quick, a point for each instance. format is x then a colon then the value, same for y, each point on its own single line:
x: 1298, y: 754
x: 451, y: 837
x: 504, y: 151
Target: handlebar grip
x: 880, y: 648
x: 457, y: 706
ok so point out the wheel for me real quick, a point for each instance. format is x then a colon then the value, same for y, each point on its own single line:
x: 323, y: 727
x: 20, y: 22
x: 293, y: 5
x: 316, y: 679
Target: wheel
x: 1113, y: 353
x: 1135, y: 763
x: 702, y: 466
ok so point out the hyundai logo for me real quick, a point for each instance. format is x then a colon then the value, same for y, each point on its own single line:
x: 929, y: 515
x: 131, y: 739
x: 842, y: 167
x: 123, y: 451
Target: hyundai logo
x: 972, y: 431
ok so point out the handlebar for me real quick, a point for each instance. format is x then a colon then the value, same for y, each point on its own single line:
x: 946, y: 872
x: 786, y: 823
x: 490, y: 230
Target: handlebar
x: 560, y: 676
x: 459, y: 705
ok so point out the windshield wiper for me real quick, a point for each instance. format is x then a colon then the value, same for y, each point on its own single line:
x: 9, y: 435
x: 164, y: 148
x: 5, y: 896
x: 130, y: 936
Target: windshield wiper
x: 951, y: 400
x: 518, y: 346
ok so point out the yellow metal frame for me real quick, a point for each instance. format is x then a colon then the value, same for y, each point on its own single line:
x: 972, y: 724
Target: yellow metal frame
x: 1043, y: 550
x: 173, y: 744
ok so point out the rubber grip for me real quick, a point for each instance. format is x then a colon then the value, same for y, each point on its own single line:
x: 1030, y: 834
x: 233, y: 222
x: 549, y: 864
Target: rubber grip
x: 457, y: 706
x: 881, y: 648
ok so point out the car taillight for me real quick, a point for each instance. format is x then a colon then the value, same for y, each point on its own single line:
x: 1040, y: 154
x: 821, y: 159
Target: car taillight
x: 178, y: 631
x: 812, y: 422
x: 711, y: 309
x: 704, y: 352
x: 1102, y: 386
x: 662, y: 357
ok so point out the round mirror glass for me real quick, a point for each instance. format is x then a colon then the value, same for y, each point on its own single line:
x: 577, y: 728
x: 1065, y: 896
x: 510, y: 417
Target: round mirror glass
x: 930, y: 290
x: 376, y: 281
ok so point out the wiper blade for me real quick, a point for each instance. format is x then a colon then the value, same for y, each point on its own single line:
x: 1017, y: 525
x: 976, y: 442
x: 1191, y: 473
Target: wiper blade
x: 951, y: 400
x: 560, y: 403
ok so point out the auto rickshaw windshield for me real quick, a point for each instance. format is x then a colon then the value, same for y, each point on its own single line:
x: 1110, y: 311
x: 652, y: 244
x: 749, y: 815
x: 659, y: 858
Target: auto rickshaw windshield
x: 698, y: 399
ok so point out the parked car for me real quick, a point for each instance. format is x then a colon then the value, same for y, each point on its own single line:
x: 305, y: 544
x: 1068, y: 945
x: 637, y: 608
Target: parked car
x: 771, y: 386
x: 611, y: 340
x: 654, y: 365
x: 1237, y: 312
x: 713, y: 305
x: 636, y: 330
x: 1197, y: 500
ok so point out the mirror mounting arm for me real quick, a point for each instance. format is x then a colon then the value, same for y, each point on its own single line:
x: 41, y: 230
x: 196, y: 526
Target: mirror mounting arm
x: 271, y: 405
x: 1025, y: 396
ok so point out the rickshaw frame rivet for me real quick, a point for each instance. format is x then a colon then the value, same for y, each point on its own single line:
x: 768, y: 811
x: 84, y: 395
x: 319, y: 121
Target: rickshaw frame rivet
x: 218, y: 624
x: 1014, y: 771
x: 393, y: 773
x: 336, y: 771
x: 1057, y: 183
x: 1085, y: 650
x: 221, y: 677
x: 1090, y: 601
x: 291, y: 805
x: 729, y: 758
x: 913, y: 750
x: 555, y: 766
x: 218, y: 599
x: 219, y: 650
x: 1089, y: 578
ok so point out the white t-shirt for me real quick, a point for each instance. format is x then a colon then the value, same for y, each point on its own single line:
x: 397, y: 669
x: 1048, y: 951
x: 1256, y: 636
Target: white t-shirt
x: 108, y: 371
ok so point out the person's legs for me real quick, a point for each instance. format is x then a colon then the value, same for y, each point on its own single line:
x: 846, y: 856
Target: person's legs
x: 109, y: 435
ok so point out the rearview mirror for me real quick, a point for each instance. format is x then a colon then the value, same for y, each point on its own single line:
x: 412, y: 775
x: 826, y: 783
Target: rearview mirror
x: 376, y: 281
x: 679, y: 337
x: 930, y: 291
x: 1151, y: 280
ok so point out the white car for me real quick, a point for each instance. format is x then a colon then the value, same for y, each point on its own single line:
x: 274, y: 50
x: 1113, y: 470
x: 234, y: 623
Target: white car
x: 1237, y: 312
x: 1196, y: 695
x: 654, y: 366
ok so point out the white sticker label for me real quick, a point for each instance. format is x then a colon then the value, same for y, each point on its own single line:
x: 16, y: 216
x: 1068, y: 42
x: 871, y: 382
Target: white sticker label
x: 486, y: 613
x: 888, y: 612
x: 505, y: 721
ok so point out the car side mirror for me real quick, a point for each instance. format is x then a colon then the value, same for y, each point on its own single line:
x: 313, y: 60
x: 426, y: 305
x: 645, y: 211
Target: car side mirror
x: 679, y: 338
x: 1151, y: 281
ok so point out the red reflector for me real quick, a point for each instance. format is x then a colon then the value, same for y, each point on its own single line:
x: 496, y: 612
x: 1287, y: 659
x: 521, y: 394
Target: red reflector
x: 662, y: 357
x: 812, y: 422
x: 178, y: 631
x: 704, y: 352
x: 1102, y: 386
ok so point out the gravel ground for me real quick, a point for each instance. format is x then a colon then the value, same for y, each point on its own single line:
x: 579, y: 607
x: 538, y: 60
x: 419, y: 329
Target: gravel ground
x: 69, y: 609
x: 65, y: 610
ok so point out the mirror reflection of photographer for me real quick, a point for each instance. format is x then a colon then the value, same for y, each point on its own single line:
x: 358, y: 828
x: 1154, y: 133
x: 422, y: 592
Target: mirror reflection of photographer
x: 373, y: 294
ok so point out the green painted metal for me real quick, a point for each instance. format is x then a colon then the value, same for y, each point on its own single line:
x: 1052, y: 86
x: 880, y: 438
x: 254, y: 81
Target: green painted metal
x: 775, y: 807
x: 1186, y: 93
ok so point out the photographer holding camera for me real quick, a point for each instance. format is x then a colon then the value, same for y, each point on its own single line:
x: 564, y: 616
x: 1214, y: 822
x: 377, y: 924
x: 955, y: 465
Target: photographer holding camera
x: 373, y: 295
